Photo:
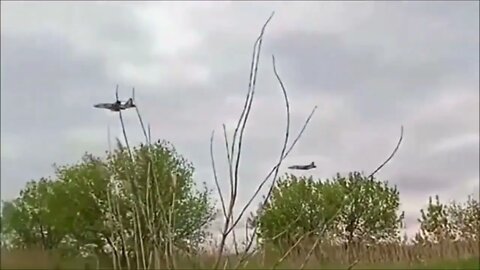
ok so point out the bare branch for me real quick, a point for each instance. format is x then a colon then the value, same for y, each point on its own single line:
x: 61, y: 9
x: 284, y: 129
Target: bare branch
x: 241, y: 126
x: 109, y: 140
x: 229, y: 159
x: 288, y: 227
x: 125, y: 135
x: 234, y: 155
x: 140, y: 118
x: 352, y: 265
x: 149, y: 135
x: 217, y: 184
x: 247, y: 108
x: 250, y: 201
x: 252, y: 76
x: 282, y: 154
x: 391, y: 155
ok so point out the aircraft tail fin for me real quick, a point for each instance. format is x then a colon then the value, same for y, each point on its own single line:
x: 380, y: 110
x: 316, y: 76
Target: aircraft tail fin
x: 128, y: 104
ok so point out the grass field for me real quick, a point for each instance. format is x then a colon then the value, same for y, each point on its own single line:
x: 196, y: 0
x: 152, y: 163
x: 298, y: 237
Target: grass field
x: 448, y: 255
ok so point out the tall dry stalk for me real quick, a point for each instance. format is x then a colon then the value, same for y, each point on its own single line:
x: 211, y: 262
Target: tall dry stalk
x: 234, y: 155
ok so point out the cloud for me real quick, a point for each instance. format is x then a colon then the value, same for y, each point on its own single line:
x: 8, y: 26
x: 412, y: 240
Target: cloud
x: 369, y: 67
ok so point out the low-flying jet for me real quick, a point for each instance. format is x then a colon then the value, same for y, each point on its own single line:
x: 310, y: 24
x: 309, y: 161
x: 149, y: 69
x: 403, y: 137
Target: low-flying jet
x: 303, y: 167
x: 116, y: 106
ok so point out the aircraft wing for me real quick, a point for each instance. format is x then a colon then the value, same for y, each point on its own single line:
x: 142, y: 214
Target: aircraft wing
x: 104, y: 105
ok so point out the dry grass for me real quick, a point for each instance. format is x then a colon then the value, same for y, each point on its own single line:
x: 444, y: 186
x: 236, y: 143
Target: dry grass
x: 379, y: 256
x: 27, y: 259
x: 386, y: 254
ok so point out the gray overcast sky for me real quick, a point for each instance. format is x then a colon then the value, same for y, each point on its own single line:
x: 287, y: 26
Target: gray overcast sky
x: 369, y: 66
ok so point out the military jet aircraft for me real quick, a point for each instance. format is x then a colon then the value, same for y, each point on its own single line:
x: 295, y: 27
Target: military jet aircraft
x: 116, y: 106
x: 303, y: 167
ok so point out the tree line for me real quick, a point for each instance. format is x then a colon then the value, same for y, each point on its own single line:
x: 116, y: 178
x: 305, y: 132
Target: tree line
x: 88, y: 207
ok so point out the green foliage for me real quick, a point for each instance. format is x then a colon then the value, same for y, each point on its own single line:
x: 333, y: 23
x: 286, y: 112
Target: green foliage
x: 31, y: 220
x: 434, y: 224
x: 162, y: 181
x: 465, y: 218
x: 451, y: 221
x: 97, y: 203
x: 344, y: 209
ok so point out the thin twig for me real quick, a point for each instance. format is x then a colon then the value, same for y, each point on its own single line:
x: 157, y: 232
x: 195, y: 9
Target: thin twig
x: 229, y: 159
x: 109, y: 140
x: 249, y: 106
x: 278, y: 236
x: 217, y: 184
x: 251, y: 76
x: 391, y: 155
x: 140, y: 117
x: 241, y: 125
x: 285, y: 255
x: 352, y: 265
x: 125, y: 135
x: 299, y: 135
x: 149, y: 135
x: 282, y: 154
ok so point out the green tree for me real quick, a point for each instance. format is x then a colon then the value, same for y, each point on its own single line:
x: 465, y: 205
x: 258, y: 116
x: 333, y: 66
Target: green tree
x: 31, y: 220
x: 434, y: 223
x: 371, y: 210
x: 161, y: 183
x: 465, y: 218
x: 344, y: 209
x: 451, y: 221
x: 109, y: 202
